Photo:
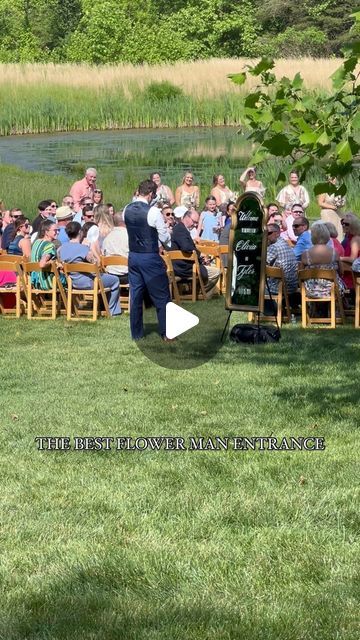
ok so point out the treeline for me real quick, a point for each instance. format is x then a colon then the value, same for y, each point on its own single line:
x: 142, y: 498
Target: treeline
x: 101, y: 31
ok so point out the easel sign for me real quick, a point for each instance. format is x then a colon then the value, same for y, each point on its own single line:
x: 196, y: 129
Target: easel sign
x: 245, y: 281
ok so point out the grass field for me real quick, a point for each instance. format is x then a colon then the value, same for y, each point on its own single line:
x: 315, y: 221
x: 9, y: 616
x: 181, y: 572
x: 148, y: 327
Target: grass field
x: 37, y: 98
x: 178, y: 545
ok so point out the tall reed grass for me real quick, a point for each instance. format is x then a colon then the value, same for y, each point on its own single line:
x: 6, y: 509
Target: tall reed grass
x: 38, y: 98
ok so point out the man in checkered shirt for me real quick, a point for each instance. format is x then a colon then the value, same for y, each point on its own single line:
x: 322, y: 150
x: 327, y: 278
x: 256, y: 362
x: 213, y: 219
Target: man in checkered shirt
x: 280, y: 254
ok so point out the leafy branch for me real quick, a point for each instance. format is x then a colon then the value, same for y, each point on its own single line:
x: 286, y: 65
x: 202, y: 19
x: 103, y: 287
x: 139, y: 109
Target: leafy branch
x: 310, y: 129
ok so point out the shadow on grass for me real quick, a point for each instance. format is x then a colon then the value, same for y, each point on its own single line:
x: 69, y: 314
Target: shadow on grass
x: 107, y: 601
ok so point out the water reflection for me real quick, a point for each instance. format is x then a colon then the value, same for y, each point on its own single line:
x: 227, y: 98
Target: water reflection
x: 170, y: 151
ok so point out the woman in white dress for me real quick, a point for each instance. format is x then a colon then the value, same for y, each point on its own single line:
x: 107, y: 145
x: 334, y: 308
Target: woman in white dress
x: 249, y: 182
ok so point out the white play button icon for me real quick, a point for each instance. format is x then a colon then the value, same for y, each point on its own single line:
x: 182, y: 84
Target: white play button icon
x: 178, y: 320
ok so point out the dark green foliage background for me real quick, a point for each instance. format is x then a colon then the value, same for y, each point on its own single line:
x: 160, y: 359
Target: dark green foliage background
x: 102, y: 31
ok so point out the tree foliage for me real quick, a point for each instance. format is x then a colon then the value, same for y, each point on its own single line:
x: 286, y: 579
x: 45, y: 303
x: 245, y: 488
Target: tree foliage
x: 100, y: 31
x: 307, y: 129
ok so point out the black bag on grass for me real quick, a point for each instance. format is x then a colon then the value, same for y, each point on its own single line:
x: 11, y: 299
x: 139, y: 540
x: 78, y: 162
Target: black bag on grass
x: 254, y: 334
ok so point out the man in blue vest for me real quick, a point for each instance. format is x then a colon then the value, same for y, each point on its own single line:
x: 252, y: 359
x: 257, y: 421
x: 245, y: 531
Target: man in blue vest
x: 147, y: 272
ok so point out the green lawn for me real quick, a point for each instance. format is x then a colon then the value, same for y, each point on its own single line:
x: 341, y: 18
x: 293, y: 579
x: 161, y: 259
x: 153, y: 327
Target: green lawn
x: 178, y: 545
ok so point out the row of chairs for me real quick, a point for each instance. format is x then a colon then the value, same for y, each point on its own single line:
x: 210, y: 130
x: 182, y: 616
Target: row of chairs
x: 47, y: 304
x: 334, y: 298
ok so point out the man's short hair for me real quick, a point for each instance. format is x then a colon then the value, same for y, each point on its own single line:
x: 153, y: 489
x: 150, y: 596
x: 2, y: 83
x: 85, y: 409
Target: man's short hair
x: 118, y: 219
x: 90, y: 170
x: 146, y: 186
x: 73, y: 229
x: 303, y: 221
x: 44, y: 204
x: 296, y: 204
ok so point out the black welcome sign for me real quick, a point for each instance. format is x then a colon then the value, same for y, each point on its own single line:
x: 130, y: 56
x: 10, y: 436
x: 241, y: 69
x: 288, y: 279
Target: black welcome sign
x: 247, y: 255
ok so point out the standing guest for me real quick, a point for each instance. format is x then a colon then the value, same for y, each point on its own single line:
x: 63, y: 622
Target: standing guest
x: 289, y: 217
x: 293, y: 193
x: 20, y: 244
x: 64, y: 215
x: 210, y: 221
x: 84, y: 188
x: 330, y: 206
x: 220, y: 191
x: 147, y: 272
x: 351, y: 244
x: 45, y: 211
x: 187, y: 194
x: 98, y: 197
x: 301, y: 230
x: 116, y: 243
x: 334, y: 238
x: 279, y: 254
x: 43, y: 251
x: 7, y: 218
x: 74, y: 251
x: 182, y: 241
x: 249, y: 182
x: 9, y: 232
x: 163, y: 192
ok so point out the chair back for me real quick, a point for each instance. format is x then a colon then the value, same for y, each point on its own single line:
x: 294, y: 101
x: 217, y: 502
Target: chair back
x: 107, y: 261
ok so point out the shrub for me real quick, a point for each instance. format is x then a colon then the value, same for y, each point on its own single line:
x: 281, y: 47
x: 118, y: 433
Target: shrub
x: 160, y: 91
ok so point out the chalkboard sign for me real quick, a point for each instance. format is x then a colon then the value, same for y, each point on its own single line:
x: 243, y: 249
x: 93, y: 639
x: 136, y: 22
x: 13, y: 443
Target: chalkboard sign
x: 247, y: 255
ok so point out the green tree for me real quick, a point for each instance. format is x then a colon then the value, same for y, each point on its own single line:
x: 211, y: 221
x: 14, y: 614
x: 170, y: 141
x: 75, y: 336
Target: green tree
x: 307, y: 129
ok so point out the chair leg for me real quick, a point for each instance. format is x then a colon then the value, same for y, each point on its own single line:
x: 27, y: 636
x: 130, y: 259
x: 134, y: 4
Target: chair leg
x: 332, y: 307
x: 303, y: 307
x: 357, y: 306
x: 96, y: 300
x: 18, y: 295
x: 69, y: 300
x: 30, y: 301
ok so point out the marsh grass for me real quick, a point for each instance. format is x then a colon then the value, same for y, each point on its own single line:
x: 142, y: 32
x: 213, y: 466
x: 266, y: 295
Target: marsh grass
x: 216, y: 545
x: 37, y: 98
x: 25, y: 189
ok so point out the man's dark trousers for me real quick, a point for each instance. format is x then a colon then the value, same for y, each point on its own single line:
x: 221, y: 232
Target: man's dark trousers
x: 147, y: 271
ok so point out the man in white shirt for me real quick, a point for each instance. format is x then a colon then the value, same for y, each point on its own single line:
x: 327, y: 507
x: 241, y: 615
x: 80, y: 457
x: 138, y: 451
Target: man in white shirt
x: 147, y: 272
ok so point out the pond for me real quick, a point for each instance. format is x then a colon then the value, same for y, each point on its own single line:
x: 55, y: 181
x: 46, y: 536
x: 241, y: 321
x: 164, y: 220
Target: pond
x: 121, y: 154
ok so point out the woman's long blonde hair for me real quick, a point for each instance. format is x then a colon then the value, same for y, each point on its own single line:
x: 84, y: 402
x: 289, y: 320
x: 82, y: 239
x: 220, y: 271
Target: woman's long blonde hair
x: 103, y: 219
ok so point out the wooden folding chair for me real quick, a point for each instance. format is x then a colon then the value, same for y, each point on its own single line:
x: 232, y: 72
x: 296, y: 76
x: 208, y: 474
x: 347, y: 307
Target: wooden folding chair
x: 118, y: 261
x: 18, y: 260
x: 356, y: 278
x: 333, y: 298
x: 281, y: 298
x: 82, y: 310
x: 44, y: 302
x: 192, y: 282
x: 174, y: 290
x: 212, y: 249
x: 5, y: 308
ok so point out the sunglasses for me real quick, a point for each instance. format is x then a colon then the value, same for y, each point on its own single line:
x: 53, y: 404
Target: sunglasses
x: 295, y: 226
x: 345, y: 224
x: 97, y: 191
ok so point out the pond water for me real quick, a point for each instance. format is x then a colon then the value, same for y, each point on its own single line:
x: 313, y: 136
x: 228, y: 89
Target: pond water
x: 123, y: 153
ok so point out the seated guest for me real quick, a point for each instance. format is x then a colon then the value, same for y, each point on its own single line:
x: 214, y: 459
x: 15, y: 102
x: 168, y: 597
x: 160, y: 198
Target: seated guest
x: 20, y: 244
x: 45, y: 211
x: 301, y: 231
x: 168, y: 216
x: 111, y: 208
x: 181, y: 240
x: 85, y: 204
x: 320, y: 256
x: 279, y: 254
x: 74, y: 251
x: 210, y: 221
x: 116, y: 243
x: 334, y: 240
x: 87, y: 214
x: 9, y: 232
x: 64, y: 215
x: 351, y: 243
x: 43, y: 251
x: 68, y: 201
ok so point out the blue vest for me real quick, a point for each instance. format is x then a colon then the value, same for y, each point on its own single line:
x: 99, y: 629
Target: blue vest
x: 142, y: 237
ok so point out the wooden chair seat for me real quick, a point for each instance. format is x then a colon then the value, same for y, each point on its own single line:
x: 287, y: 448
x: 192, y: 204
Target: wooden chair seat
x: 75, y: 310
x: 195, y: 282
x: 118, y: 261
x: 334, y: 297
